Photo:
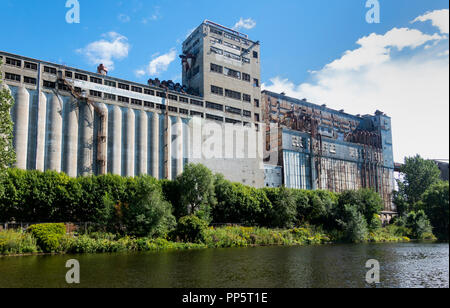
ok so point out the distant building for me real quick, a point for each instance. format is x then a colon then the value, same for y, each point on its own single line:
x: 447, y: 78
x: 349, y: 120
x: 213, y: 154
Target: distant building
x: 444, y: 167
x: 322, y: 148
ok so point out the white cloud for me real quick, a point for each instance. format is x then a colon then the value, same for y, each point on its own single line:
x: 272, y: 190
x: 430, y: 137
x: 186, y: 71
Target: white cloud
x: 159, y: 64
x: 124, y: 18
x: 245, y: 23
x: 412, y: 87
x: 154, y: 16
x: 376, y: 49
x: 113, y: 46
x: 438, y: 18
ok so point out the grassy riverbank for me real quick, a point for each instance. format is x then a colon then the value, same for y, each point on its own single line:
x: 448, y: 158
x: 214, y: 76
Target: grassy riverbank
x: 18, y: 243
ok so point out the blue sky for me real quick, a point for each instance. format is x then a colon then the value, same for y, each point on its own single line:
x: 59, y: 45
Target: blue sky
x: 143, y: 38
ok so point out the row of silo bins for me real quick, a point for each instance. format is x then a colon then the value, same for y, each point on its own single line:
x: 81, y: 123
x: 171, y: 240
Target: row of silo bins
x: 59, y: 133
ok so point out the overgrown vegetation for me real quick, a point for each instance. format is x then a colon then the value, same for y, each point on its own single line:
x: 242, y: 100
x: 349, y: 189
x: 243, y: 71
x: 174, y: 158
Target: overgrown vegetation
x: 142, y: 213
x: 423, y: 200
x: 7, y: 154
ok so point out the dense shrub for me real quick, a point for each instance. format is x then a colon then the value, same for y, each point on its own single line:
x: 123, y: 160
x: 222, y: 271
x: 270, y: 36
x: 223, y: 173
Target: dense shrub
x: 435, y: 203
x: 196, y: 187
x: 240, y: 204
x: 48, y: 236
x: 353, y: 224
x: 148, y: 214
x: 419, y: 224
x: 284, y: 207
x: 190, y: 229
x: 13, y: 242
x: 366, y: 201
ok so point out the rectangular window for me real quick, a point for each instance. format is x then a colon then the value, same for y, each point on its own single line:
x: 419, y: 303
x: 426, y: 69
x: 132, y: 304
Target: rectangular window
x: 231, y: 37
x: 12, y: 77
x: 123, y: 99
x: 217, y: 90
x: 196, y: 102
x: 49, y: 84
x: 161, y: 94
x: 246, y: 77
x: 149, y: 92
x: 233, y: 110
x: 255, y: 55
x: 136, y: 89
x: 173, y: 109
x: 216, y: 50
x: 256, y: 103
x: 257, y: 117
x: 232, y: 73
x: 216, y: 68
x: 173, y: 97
x: 255, y: 82
x: 31, y: 66
x: 232, y: 46
x: 96, y: 80
x: 50, y: 70
x: 81, y: 77
x: 232, y: 56
x: 214, y: 106
x: 184, y: 111
x: 233, y: 94
x: 63, y: 87
x: 124, y: 86
x: 29, y: 80
x: 161, y: 107
x: 232, y: 121
x: 110, y: 83
x: 247, y: 114
x: 215, y: 31
x: 13, y: 62
x: 136, y: 102
x: 184, y: 100
x: 149, y: 104
x: 108, y: 96
x: 196, y: 114
x: 69, y: 74
x: 215, y: 40
x: 245, y: 60
x: 246, y: 98
x: 214, y: 117
x: 95, y: 93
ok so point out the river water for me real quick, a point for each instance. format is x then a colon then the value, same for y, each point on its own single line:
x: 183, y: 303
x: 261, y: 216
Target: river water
x: 342, y: 266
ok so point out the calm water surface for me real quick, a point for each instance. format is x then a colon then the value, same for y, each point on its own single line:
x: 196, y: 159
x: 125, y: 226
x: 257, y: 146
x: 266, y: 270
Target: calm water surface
x: 402, y: 265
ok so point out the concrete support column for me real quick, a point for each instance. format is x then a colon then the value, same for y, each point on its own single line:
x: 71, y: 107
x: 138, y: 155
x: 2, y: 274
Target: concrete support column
x: 117, y: 142
x: 88, y: 140
x: 168, y: 144
x: 104, y: 127
x: 155, y: 146
x: 131, y: 138
x: 55, y: 141
x: 21, y: 127
x: 41, y: 132
x: 72, y: 139
x: 180, y: 158
x: 143, y: 143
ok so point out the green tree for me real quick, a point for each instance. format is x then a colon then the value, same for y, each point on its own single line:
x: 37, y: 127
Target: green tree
x: 284, y: 207
x: 148, y: 214
x: 353, y: 224
x: 435, y: 203
x: 197, y: 193
x: 418, y: 175
x: 419, y: 224
x: 7, y: 154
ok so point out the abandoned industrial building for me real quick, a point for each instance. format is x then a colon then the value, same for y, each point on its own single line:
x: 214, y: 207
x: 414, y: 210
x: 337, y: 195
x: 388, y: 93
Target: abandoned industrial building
x: 78, y: 122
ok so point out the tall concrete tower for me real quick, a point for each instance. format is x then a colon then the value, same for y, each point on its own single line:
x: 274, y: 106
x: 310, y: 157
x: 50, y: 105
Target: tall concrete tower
x: 223, y: 66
